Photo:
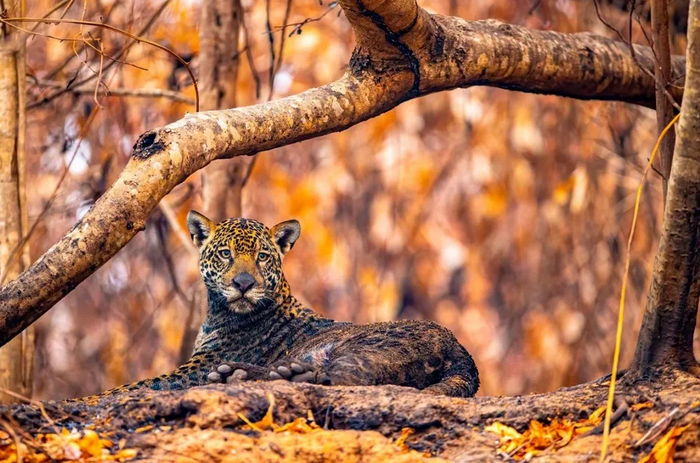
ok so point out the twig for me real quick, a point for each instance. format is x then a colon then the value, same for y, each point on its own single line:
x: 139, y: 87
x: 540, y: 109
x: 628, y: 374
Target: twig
x: 280, y: 53
x: 99, y: 75
x: 122, y: 32
x: 170, y: 266
x: 297, y: 26
x: 121, y: 53
x: 125, y: 92
x: 65, y: 10
x: 659, y: 427
x: 631, y: 47
x: 52, y: 11
x: 18, y: 450
x: 35, y: 403
x: 271, y: 42
x: 622, y: 409
x: 66, y: 62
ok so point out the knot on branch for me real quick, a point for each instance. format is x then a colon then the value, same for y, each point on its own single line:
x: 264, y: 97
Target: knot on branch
x: 147, y: 145
x: 392, y: 36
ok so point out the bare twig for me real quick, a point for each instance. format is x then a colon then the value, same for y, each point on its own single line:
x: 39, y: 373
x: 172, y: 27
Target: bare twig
x: 65, y: 10
x: 18, y: 449
x: 124, y: 92
x: 35, y: 403
x: 105, y: 18
x: 659, y: 427
x: 629, y: 43
x: 296, y: 27
x: 271, y: 42
x: 99, y: 75
x: 122, y: 32
x: 121, y: 53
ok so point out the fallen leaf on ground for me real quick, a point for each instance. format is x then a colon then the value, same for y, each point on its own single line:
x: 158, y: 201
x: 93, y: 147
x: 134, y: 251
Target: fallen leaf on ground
x: 64, y: 446
x: 641, y: 406
x: 666, y: 446
x: 540, y: 437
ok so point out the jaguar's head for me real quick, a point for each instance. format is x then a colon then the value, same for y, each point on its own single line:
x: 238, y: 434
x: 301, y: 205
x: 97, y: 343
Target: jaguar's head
x: 241, y: 260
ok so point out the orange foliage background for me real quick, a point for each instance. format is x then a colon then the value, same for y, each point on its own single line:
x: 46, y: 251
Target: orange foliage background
x: 501, y: 215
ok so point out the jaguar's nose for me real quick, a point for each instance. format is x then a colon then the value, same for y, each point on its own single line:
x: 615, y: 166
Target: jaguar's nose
x: 243, y: 282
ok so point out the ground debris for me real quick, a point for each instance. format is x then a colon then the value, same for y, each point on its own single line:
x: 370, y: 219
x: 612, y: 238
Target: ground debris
x: 278, y: 421
x: 665, y: 448
x: 540, y: 437
x: 18, y: 446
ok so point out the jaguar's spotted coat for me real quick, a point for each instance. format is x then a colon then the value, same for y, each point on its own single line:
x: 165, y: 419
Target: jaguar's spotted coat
x: 256, y: 329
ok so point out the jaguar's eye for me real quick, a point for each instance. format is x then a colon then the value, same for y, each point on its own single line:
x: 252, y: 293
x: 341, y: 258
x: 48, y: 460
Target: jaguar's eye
x: 263, y: 256
x: 224, y: 253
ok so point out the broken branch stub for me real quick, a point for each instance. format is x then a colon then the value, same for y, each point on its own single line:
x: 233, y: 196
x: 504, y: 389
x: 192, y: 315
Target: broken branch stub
x: 402, y: 52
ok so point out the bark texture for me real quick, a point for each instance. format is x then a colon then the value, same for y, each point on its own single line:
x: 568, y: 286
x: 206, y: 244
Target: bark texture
x: 16, y: 358
x: 662, y: 72
x: 222, y: 181
x: 363, y: 423
x: 666, y: 336
x: 402, y: 52
x: 218, y: 74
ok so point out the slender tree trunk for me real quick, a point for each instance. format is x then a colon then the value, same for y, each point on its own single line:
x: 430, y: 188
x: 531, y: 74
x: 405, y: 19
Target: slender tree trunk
x: 222, y: 181
x: 16, y: 358
x: 662, y: 71
x: 666, y: 336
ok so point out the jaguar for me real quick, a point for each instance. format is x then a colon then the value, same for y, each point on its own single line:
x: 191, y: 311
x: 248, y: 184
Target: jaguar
x: 256, y: 330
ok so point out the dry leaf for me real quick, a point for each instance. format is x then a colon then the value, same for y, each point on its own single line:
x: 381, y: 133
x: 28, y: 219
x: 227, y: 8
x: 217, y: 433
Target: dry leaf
x: 641, y: 406
x: 539, y: 437
x: 666, y: 446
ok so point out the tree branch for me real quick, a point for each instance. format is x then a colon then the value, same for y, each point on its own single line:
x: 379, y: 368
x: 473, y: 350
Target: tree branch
x: 402, y: 52
x: 125, y: 92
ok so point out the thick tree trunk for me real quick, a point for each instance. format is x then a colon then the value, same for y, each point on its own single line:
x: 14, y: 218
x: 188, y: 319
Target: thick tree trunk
x: 16, y: 358
x: 666, y: 336
x: 222, y: 181
x: 662, y: 72
x: 402, y: 52
x: 218, y: 75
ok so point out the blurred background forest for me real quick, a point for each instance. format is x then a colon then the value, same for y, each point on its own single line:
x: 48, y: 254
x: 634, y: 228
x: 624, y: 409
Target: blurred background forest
x: 503, y: 216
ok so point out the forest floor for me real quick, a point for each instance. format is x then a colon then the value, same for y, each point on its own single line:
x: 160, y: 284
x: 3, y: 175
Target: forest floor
x: 305, y: 423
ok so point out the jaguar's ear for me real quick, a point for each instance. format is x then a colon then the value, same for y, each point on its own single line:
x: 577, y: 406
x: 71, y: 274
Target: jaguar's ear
x: 201, y: 228
x: 285, y: 234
